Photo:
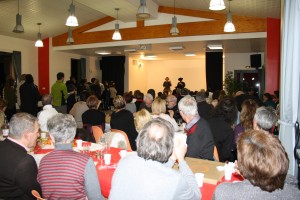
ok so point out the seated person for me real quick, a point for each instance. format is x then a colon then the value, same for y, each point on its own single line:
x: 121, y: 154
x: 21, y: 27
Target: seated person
x: 141, y: 118
x: 204, y: 109
x: 199, y: 136
x: 79, y: 108
x: 64, y: 173
x: 150, y: 171
x: 122, y: 119
x: 263, y: 162
x: 115, y: 139
x: 18, y: 169
x: 129, y: 104
x: 172, y: 108
x: 148, y: 99
x: 93, y: 116
x: 159, y: 110
x: 47, y: 112
x: 264, y: 119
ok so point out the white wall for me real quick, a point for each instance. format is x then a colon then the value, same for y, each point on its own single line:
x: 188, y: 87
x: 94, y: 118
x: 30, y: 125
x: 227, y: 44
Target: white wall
x: 29, y: 54
x: 152, y: 74
x: 238, y: 61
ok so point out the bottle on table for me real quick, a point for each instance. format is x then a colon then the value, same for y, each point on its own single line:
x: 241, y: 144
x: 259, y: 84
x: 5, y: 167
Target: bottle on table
x: 5, y: 128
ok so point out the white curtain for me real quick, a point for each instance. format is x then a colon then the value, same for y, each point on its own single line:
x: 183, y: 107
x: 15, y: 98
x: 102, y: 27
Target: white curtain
x: 290, y: 76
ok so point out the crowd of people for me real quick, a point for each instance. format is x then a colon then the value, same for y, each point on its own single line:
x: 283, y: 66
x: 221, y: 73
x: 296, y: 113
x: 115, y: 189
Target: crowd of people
x: 218, y: 127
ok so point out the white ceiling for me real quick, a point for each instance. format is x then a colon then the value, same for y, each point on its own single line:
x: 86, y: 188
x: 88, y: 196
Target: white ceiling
x: 53, y: 14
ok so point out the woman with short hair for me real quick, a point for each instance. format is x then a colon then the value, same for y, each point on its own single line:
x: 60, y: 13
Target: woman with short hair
x: 263, y: 162
x: 93, y: 116
x: 122, y: 119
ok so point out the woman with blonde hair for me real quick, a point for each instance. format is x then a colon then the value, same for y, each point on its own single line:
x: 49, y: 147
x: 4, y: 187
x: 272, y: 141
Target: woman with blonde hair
x: 141, y: 118
x: 159, y: 110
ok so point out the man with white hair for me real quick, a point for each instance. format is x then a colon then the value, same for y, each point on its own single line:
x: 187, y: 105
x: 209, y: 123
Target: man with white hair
x: 18, y: 169
x: 264, y: 119
x: 149, y: 174
x: 172, y: 108
x: 147, y: 104
x: 199, y: 137
x: 64, y: 173
x: 47, y: 112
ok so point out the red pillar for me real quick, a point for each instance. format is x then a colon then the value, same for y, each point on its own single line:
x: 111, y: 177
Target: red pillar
x: 273, y: 55
x: 43, y: 67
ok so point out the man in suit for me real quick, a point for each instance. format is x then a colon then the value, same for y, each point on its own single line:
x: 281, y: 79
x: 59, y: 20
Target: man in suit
x: 199, y: 136
x: 18, y: 174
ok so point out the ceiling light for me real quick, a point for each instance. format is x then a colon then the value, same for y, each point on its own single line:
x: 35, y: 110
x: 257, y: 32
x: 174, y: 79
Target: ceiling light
x: 130, y: 50
x: 229, y: 26
x: 174, y: 30
x: 177, y: 48
x: 216, y: 5
x: 70, y: 39
x: 190, y: 54
x: 215, y: 46
x: 150, y: 55
x: 19, y: 27
x: 39, y: 42
x: 72, y: 20
x: 143, y: 12
x: 103, y: 52
x: 117, y: 35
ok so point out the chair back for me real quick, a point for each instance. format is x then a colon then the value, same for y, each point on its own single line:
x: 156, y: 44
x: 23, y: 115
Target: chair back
x: 126, y: 137
x: 97, y: 132
x: 216, y: 154
x: 37, y: 195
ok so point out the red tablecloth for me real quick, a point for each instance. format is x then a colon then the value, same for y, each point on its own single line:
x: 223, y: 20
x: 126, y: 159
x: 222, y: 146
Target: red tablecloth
x: 105, y: 173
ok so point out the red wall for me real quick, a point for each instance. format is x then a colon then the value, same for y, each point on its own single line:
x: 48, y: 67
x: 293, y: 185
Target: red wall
x: 273, y: 55
x: 43, y: 67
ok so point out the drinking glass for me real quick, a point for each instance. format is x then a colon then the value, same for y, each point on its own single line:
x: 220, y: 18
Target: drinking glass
x: 103, y: 148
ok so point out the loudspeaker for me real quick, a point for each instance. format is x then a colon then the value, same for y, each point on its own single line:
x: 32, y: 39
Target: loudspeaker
x: 255, y: 60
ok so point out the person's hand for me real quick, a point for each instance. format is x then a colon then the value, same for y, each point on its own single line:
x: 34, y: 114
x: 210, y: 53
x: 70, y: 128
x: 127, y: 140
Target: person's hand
x: 237, y: 168
x: 180, y: 149
x: 171, y: 112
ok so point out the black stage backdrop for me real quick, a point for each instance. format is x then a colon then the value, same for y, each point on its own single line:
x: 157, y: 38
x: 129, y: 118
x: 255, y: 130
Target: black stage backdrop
x: 113, y: 70
x: 214, y: 69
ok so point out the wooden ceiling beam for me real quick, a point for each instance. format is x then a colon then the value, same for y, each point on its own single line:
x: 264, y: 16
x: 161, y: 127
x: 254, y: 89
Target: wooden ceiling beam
x: 242, y: 24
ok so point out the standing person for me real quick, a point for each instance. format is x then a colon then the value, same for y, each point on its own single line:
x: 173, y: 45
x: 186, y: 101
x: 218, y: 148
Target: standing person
x: 47, y: 112
x: 10, y: 96
x: 71, y: 88
x: 167, y: 86
x: 149, y: 174
x: 18, y: 174
x: 113, y: 92
x: 106, y: 96
x: 268, y: 100
x: 122, y: 119
x: 222, y: 124
x: 22, y: 80
x: 59, y: 93
x: 64, y: 173
x: 29, y: 96
x: 200, y: 141
x: 180, y: 84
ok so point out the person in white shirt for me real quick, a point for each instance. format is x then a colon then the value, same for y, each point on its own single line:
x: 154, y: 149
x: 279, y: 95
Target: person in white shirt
x: 47, y: 112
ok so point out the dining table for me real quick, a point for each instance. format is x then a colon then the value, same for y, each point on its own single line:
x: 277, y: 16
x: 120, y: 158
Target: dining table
x: 212, y: 176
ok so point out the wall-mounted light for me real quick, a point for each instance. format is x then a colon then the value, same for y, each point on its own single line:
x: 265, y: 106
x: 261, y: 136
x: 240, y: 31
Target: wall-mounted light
x: 72, y: 20
x: 190, y: 54
x: 215, y: 46
x: 39, y: 42
x: 19, y: 27
x: 117, y: 34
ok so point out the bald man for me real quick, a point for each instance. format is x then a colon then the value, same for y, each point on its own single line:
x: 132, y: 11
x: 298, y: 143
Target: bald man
x: 150, y: 171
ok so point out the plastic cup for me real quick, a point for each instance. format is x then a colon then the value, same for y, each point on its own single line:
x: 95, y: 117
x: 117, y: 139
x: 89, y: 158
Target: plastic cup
x: 123, y: 153
x: 227, y: 172
x: 43, y: 135
x: 107, y: 158
x: 199, y: 179
x: 79, y: 144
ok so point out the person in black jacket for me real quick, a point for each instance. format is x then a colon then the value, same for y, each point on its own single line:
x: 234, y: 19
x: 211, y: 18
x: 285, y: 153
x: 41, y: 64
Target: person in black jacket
x: 18, y: 174
x: 123, y: 120
x: 222, y: 123
x: 30, y: 96
x: 199, y: 137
